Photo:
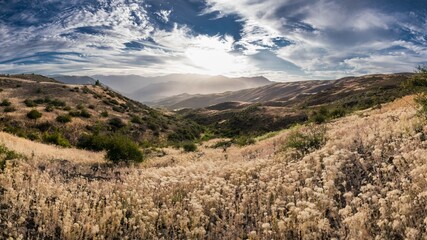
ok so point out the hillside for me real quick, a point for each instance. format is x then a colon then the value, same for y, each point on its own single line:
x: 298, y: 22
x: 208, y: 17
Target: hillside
x: 292, y: 93
x: 148, y: 89
x: 261, y: 110
x: 62, y: 114
x: 366, y: 180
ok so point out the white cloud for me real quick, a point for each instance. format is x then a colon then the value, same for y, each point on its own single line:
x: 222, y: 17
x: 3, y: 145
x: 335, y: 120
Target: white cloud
x: 164, y: 15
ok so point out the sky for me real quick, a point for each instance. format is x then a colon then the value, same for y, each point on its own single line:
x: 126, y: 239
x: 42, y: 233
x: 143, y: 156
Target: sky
x: 283, y: 40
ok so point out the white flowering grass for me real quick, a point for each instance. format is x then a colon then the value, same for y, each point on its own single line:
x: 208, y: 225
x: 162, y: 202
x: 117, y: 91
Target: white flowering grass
x: 369, y: 181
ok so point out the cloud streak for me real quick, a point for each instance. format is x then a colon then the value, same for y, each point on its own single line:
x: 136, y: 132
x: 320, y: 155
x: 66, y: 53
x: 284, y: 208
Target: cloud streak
x: 282, y: 39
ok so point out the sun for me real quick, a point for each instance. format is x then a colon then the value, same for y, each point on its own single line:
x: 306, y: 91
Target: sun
x: 214, y: 61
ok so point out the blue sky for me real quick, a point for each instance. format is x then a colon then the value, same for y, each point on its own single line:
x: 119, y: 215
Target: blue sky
x: 280, y: 39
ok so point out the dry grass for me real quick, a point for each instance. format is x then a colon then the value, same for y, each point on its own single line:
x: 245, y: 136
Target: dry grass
x: 367, y: 182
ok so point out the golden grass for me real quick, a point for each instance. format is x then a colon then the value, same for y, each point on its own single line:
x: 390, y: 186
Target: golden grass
x: 368, y: 182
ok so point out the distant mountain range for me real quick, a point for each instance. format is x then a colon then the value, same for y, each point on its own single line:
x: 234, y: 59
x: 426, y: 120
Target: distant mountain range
x: 151, y: 89
x: 282, y: 94
x: 78, y: 80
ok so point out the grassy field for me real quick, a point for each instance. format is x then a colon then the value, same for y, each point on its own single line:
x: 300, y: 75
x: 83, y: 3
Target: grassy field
x: 367, y: 180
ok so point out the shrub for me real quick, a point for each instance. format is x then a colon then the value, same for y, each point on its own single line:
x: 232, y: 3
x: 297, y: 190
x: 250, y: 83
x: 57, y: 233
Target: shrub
x: 419, y: 79
x: 74, y: 113
x: 34, y: 114
x: 9, y: 109
x: 45, y: 126
x: 337, y: 113
x: 94, y: 142
x: 49, y: 108
x: 119, y: 109
x: 91, y: 106
x: 64, y: 118
x: 116, y: 123
x: 80, y: 106
x: 39, y: 90
x: 67, y: 108
x: 189, y: 147
x: 303, y: 141
x: 5, y: 103
x: 85, y: 114
x: 104, y: 114
x: 244, y: 141
x: 57, y: 139
x: 136, y: 119
x: 57, y: 103
x: 30, y: 103
x: 222, y: 144
x: 122, y: 149
x: 6, y: 154
x: 40, y: 100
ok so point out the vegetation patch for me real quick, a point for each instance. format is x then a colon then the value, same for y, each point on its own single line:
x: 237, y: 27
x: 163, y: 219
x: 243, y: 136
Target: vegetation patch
x: 305, y: 140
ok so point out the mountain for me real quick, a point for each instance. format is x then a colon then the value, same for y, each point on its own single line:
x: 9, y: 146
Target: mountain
x: 288, y: 93
x: 149, y: 89
x: 257, y: 111
x: 79, y: 80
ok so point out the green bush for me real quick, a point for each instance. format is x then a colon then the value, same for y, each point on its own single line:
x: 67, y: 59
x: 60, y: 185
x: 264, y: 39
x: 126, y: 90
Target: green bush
x: 223, y: 144
x: 116, y: 123
x: 74, y: 113
x: 85, y: 114
x: 5, y: 103
x: 34, y: 114
x: 122, y: 149
x: 244, y: 141
x: 104, y: 114
x: 303, y: 141
x: 6, y: 154
x: 44, y: 126
x: 136, y: 119
x: 49, y: 108
x: 57, y: 139
x: 64, y: 118
x: 30, y: 103
x: 57, y: 103
x: 9, y: 109
x: 338, y: 112
x: 94, y: 142
x: 189, y: 147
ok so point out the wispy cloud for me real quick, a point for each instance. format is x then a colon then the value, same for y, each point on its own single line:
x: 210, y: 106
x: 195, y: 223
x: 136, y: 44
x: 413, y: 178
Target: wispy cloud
x: 282, y: 39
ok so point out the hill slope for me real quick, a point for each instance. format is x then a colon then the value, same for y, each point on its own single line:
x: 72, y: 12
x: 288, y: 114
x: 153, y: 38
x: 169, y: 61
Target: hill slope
x: 366, y: 181
x: 270, y: 108
x: 71, y: 111
x: 291, y: 93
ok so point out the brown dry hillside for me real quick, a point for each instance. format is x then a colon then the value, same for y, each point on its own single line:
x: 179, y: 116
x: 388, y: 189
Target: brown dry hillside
x: 69, y: 111
x: 278, y: 106
x: 367, y: 180
x: 292, y: 93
